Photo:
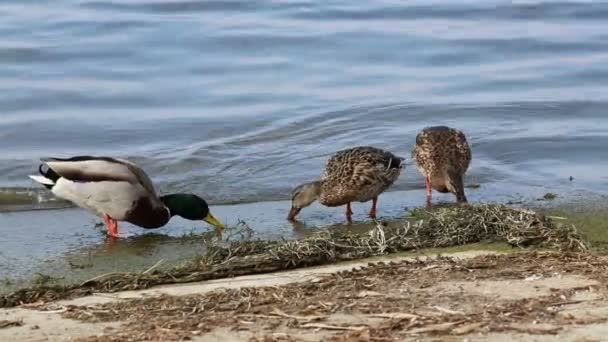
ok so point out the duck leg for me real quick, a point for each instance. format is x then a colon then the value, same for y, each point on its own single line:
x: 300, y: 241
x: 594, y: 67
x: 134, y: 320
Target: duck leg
x: 372, y: 212
x: 429, y: 193
x: 349, y: 213
x: 112, y: 226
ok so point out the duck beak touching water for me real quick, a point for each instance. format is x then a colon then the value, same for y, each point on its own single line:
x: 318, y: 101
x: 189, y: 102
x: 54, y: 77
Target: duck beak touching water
x: 293, y: 212
x: 303, y: 196
x: 209, y: 218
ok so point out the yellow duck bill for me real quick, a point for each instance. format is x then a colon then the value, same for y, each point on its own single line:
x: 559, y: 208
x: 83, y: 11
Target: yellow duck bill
x: 213, y: 221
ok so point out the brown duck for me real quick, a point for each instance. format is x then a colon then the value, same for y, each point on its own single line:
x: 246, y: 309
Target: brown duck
x: 356, y: 174
x: 442, y: 156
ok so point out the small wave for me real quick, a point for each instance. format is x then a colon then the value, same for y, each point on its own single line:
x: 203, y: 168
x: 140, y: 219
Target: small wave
x: 24, y: 199
x: 174, y: 6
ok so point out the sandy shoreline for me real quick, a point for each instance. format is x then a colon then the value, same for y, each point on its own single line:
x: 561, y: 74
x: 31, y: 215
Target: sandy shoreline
x: 478, y: 295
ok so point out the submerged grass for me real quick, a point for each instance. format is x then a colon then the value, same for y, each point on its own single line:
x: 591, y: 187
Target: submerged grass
x: 591, y: 222
x: 442, y: 227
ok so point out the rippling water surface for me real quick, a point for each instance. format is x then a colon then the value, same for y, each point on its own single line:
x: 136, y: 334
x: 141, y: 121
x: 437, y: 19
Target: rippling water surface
x: 242, y: 100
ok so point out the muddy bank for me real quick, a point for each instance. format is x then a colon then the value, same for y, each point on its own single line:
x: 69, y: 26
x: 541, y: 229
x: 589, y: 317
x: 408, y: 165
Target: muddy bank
x: 442, y: 227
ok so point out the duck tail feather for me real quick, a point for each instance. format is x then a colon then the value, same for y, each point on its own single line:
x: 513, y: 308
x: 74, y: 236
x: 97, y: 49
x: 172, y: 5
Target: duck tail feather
x: 396, y: 163
x: 47, y: 177
x: 43, y: 180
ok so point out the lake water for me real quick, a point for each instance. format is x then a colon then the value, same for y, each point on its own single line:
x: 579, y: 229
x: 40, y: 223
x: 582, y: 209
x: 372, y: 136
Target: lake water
x: 239, y: 101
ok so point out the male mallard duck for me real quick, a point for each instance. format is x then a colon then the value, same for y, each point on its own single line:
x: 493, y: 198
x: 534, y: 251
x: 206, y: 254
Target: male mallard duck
x: 442, y: 155
x: 118, y: 190
x: 355, y: 174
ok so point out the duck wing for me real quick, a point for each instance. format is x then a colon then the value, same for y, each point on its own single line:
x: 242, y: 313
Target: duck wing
x: 99, y: 169
x: 359, y: 174
x: 361, y: 161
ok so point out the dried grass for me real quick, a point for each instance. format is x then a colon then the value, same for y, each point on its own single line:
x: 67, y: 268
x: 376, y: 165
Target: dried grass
x: 443, y: 227
x: 9, y: 324
x: 386, y: 301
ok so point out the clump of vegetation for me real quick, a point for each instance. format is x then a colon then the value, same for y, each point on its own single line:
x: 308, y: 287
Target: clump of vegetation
x: 549, y: 196
x: 44, y: 279
x: 443, y: 227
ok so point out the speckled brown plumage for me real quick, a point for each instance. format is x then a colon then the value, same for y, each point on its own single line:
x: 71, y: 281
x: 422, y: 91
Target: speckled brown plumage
x: 442, y: 156
x: 358, y: 175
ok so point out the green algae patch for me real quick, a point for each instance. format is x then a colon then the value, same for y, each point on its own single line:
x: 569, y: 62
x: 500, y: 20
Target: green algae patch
x: 591, y: 222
